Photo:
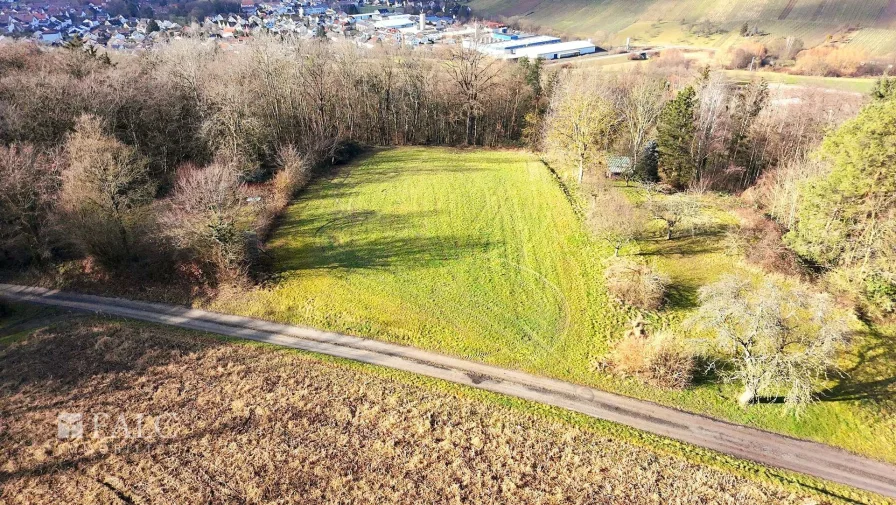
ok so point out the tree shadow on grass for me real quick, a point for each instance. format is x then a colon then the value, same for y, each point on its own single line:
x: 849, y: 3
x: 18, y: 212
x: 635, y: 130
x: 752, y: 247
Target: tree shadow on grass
x: 60, y: 358
x: 872, y: 374
x: 366, y: 239
x: 684, y: 246
x: 681, y: 294
x: 380, y: 254
x: 389, y: 164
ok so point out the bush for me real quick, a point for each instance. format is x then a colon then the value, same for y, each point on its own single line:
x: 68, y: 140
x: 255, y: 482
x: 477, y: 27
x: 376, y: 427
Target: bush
x: 636, y: 284
x: 203, y: 219
x: 294, y: 174
x: 659, y: 359
x: 106, y: 192
x: 830, y: 61
x: 880, y: 292
x: 746, y: 54
x: 761, y: 242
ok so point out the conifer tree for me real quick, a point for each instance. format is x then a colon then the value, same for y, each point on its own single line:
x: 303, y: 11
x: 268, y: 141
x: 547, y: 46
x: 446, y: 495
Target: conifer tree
x: 675, y: 136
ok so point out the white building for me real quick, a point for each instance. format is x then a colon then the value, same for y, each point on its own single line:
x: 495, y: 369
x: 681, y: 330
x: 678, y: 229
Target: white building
x: 555, y: 51
x: 509, y: 47
x: 395, y: 22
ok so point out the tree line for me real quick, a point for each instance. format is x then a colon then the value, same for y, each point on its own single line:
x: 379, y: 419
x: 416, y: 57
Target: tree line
x: 99, y: 153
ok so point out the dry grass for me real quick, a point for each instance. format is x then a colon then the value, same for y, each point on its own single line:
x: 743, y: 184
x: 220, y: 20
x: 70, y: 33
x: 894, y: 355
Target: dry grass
x: 256, y: 424
x: 635, y: 284
x: 658, y: 359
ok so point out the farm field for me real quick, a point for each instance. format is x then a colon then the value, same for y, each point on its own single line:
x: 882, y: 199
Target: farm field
x: 861, y: 85
x: 236, y: 422
x: 850, y: 84
x: 664, y: 21
x: 479, y: 254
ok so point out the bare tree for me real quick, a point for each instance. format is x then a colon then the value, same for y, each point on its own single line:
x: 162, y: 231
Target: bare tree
x: 643, y: 99
x: 776, y: 338
x: 675, y: 211
x: 581, y: 123
x: 472, y: 71
x: 29, y: 187
x: 615, y: 219
x: 712, y: 119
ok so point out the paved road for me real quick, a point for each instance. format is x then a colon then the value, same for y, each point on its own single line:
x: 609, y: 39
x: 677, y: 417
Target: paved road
x: 767, y: 448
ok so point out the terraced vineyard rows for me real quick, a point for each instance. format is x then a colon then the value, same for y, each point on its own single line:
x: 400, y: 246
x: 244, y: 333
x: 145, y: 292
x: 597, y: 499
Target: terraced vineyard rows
x: 811, y: 20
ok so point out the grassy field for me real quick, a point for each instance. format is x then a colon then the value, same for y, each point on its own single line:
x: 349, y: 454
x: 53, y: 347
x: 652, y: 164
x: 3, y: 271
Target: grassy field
x: 667, y: 21
x: 228, y: 422
x: 480, y: 254
x: 698, y: 59
x: 852, y: 84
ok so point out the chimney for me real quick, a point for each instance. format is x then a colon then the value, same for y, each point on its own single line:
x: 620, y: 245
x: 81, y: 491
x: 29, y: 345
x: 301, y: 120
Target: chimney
x: 422, y: 21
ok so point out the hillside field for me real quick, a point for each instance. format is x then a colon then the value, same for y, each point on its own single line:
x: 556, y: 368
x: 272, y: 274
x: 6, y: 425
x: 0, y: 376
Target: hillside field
x: 870, y: 24
x: 480, y: 254
x: 245, y: 423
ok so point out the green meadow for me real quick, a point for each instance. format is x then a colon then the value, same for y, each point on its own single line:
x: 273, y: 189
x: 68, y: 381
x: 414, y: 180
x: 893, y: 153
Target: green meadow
x: 480, y: 254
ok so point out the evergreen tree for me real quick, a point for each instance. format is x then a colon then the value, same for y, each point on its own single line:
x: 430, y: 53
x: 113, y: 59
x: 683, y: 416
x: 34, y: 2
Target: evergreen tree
x: 532, y: 69
x: 884, y: 89
x: 647, y: 168
x: 846, y: 218
x: 75, y: 43
x: 675, y: 133
x: 152, y: 26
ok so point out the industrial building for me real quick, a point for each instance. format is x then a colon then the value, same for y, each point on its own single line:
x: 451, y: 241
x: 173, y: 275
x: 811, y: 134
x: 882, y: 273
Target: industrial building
x: 509, y: 47
x: 554, y: 51
x: 396, y: 23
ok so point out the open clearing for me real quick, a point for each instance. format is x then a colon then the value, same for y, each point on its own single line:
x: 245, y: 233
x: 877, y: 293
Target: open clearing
x: 479, y: 254
x: 249, y: 423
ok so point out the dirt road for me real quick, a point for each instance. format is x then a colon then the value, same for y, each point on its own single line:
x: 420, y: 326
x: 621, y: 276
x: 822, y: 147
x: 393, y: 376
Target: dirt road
x: 763, y: 447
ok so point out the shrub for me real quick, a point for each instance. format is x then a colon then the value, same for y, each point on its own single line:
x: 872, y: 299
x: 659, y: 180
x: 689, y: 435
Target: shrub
x: 760, y: 240
x: 294, y: 174
x: 636, y: 284
x: 746, y: 54
x: 659, y: 359
x: 106, y: 191
x: 785, y: 48
x: 880, y: 292
x: 830, y: 61
x: 203, y: 219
